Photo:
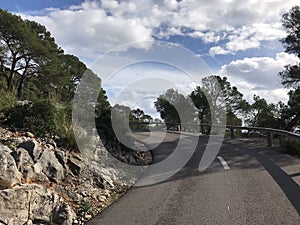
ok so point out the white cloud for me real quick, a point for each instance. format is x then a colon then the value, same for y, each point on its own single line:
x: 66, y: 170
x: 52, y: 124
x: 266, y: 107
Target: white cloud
x: 218, y: 51
x: 248, y: 37
x: 259, y: 75
x: 93, y: 27
x: 96, y: 26
x: 208, y: 37
x: 89, y: 29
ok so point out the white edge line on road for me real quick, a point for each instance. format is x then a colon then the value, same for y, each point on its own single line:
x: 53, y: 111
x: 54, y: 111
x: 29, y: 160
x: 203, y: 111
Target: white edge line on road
x: 223, y: 162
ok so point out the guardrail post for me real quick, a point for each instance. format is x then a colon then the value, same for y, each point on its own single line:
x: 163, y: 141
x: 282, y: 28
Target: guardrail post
x: 280, y: 140
x: 179, y: 127
x: 231, y: 132
x: 269, y: 139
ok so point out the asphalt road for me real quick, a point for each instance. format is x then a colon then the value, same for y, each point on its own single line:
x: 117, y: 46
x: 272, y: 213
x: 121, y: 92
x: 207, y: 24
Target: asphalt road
x: 246, y: 183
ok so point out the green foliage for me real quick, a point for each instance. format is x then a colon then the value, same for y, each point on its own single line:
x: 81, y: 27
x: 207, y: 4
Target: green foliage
x: 290, y: 77
x: 38, y: 117
x: 25, y: 47
x: 29, y: 52
x: 291, y: 112
x: 217, y: 94
x: 291, y: 22
x: 290, y: 146
x: 7, y: 100
x: 201, y: 103
x: 64, y: 74
x: 175, y: 108
x: 86, y: 206
x: 103, y: 115
x: 138, y: 115
x: 261, y: 114
x: 233, y: 120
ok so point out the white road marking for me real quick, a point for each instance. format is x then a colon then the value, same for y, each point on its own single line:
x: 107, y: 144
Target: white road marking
x: 228, y: 208
x: 223, y: 162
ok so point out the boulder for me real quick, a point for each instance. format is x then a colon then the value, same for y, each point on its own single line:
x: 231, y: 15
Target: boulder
x: 22, y: 158
x: 103, y: 178
x: 51, y: 166
x: 34, y: 204
x: 33, y: 147
x: 24, y: 164
x: 9, y: 174
x: 61, y: 156
x: 4, y: 148
x: 63, y: 214
x: 75, y: 164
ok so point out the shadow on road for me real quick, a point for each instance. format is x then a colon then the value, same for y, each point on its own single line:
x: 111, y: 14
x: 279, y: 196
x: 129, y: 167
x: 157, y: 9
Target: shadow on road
x: 241, y: 155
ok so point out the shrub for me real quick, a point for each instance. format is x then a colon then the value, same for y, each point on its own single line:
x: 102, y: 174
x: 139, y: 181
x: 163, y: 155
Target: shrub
x: 38, y: 117
x: 7, y: 100
x: 290, y: 146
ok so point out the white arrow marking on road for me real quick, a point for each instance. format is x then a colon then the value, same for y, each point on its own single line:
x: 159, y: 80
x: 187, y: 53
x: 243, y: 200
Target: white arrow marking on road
x: 223, y: 162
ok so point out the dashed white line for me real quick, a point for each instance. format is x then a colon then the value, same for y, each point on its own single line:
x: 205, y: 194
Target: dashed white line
x: 223, y: 162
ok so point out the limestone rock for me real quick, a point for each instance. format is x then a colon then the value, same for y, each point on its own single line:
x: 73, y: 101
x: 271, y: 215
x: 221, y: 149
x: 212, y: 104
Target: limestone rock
x: 29, y: 134
x: 75, y: 164
x: 61, y: 156
x: 34, y: 204
x: 102, y: 178
x: 24, y: 164
x: 63, y: 214
x: 51, y: 166
x: 4, y: 148
x: 33, y: 147
x: 9, y: 174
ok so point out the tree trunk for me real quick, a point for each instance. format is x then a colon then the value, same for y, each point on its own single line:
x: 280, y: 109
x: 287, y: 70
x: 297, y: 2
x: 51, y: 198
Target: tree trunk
x: 10, y: 79
x: 21, y: 87
x: 22, y: 82
x: 293, y: 123
x: 10, y: 82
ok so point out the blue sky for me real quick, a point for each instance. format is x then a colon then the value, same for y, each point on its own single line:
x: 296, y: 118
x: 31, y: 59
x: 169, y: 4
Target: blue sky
x: 35, y: 5
x: 233, y: 38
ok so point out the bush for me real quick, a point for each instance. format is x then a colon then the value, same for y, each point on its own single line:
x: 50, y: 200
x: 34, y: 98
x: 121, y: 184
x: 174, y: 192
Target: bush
x: 64, y: 126
x: 43, y: 118
x: 290, y: 146
x: 38, y: 117
x: 7, y: 100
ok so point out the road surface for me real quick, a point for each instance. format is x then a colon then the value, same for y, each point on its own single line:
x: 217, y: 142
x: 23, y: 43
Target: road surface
x: 247, y: 183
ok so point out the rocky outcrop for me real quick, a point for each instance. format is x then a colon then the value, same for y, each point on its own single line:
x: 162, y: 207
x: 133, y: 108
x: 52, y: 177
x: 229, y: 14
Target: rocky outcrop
x: 43, y: 184
x: 51, y: 166
x: 9, y: 174
x: 34, y: 204
x: 33, y: 147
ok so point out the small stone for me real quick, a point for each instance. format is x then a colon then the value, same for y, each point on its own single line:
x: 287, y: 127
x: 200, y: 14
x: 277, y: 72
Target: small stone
x: 29, y: 134
x: 102, y: 198
x: 84, y: 194
x: 88, y: 217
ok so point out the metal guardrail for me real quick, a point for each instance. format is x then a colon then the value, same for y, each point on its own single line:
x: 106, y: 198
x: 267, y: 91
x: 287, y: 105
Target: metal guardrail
x: 268, y: 131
